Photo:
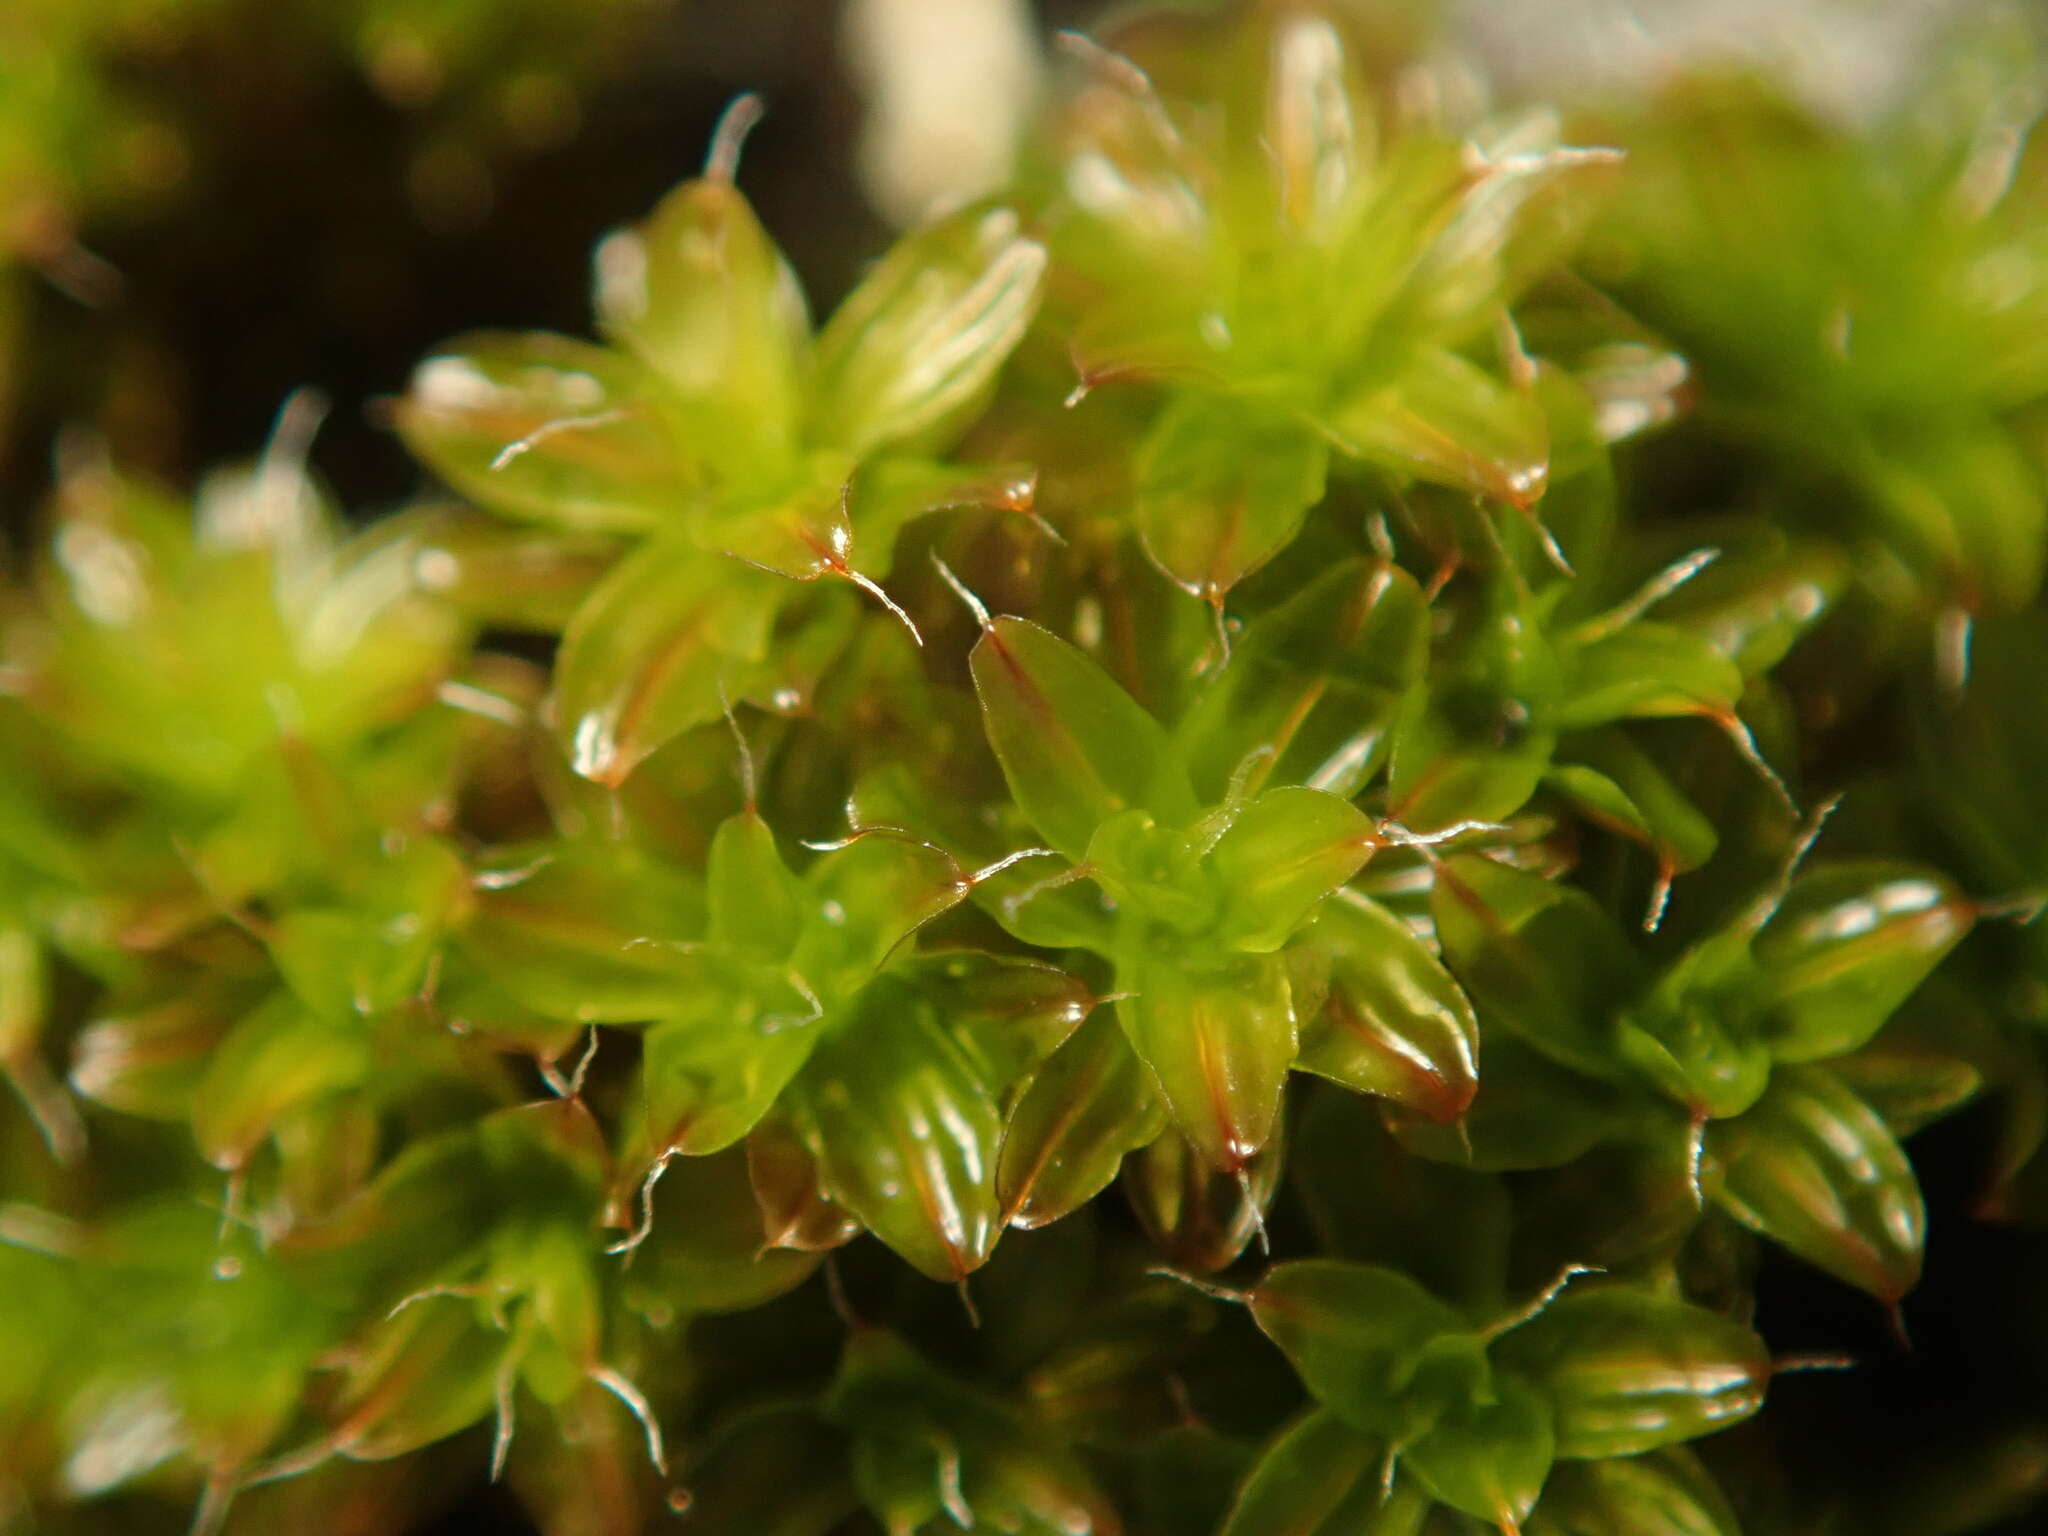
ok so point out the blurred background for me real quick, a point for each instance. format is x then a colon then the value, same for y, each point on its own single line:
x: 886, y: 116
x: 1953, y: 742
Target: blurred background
x: 205, y: 204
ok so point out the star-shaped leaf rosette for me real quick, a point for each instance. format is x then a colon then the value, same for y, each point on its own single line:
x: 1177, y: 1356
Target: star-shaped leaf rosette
x: 1300, y: 276
x: 1214, y: 888
x: 1418, y: 1405
x: 735, y: 451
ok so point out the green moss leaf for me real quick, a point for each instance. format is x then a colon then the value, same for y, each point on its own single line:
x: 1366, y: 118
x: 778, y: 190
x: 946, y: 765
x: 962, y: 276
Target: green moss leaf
x: 701, y: 294
x: 1315, y: 682
x: 1320, y: 1477
x: 1447, y: 421
x: 1219, y: 1036
x: 729, y: 1044
x: 1358, y: 1334
x: 907, y: 1132
x: 663, y: 642
x: 1090, y: 1103
x: 1394, y: 1024
x: 1849, y: 944
x: 273, y: 1061
x: 1221, y: 490
x: 1627, y: 1371
x: 926, y: 332
x: 547, y: 429
x: 1282, y: 854
x: 1666, y: 1493
x: 1490, y: 1460
x: 1075, y: 748
x: 1200, y: 1219
x: 1813, y: 1167
x: 1540, y: 957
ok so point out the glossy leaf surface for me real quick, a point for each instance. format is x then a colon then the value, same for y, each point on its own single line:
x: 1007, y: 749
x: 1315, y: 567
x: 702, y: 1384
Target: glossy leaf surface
x: 907, y: 1133
x: 1284, y: 853
x: 703, y: 296
x: 1200, y: 1219
x: 1394, y: 1024
x: 1090, y: 1103
x: 1539, y: 956
x: 927, y: 329
x: 1075, y: 748
x: 1316, y: 681
x: 1218, y: 1036
x: 711, y: 1069
x: 1849, y: 944
x: 1627, y: 1371
x: 596, y: 456
x: 658, y: 647
x: 1814, y: 1168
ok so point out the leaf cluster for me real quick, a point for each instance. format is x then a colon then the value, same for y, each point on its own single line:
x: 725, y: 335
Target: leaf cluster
x: 1179, y: 682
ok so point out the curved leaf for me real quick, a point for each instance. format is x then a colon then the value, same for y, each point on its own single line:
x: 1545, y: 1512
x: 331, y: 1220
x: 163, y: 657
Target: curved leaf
x: 753, y: 900
x: 507, y: 575
x: 1813, y: 1167
x: 587, y: 932
x: 1612, y: 780
x: 1317, y: 680
x: 1753, y: 606
x: 1090, y: 1104
x: 1666, y: 1493
x: 659, y: 646
x: 1075, y: 748
x: 1966, y: 501
x: 1009, y: 1014
x: 1646, y: 670
x: 1219, y: 1036
x: 906, y: 1132
x: 929, y: 1447
x: 794, y: 1211
x: 1490, y: 1460
x: 150, y: 1060
x: 1321, y: 1477
x: 548, y: 429
x: 700, y: 292
x: 1847, y: 946
x: 702, y: 1251
x: 1356, y: 1335
x: 1627, y: 1371
x: 427, y: 1372
x: 1221, y: 489
x: 862, y: 901
x: 1283, y: 854
x: 1473, y: 744
x: 276, y: 1059
x: 1394, y: 1023
x: 926, y: 331
x: 1539, y: 957
x: 1448, y: 421
x: 1908, y: 1085
x: 1199, y: 1219
x: 711, y: 1069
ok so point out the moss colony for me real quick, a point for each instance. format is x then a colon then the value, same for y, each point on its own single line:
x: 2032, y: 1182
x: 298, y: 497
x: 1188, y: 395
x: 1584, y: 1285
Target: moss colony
x: 1445, y: 698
